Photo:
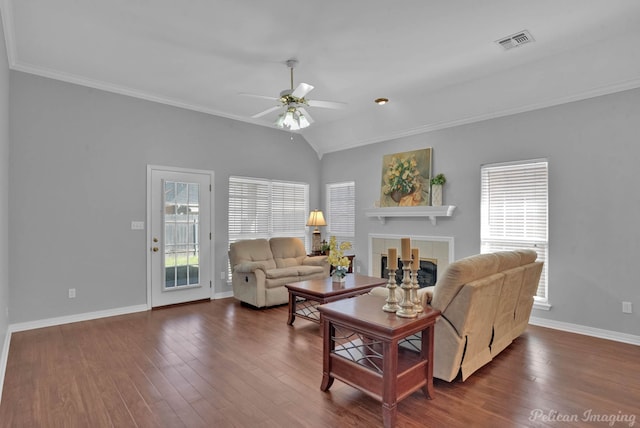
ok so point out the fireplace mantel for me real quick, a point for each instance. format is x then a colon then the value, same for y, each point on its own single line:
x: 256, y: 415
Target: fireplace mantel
x: 429, y: 212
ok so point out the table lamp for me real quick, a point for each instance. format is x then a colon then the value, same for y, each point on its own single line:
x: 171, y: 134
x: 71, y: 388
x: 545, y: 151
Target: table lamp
x: 316, y: 218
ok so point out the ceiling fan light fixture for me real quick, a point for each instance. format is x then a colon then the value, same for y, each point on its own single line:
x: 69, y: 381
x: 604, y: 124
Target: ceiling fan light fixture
x: 280, y: 121
x: 295, y: 117
x: 292, y: 119
x: 381, y: 101
x: 289, y: 120
x: 303, y: 121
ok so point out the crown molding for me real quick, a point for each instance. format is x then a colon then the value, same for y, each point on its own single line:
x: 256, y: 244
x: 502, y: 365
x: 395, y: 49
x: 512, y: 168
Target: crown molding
x: 608, y: 89
x: 121, y: 90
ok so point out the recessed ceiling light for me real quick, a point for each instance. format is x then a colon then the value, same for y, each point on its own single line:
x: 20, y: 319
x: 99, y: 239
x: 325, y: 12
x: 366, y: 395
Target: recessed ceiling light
x: 381, y: 101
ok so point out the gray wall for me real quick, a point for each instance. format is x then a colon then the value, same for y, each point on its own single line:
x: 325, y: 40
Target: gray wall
x: 78, y: 178
x: 594, y: 238
x: 78, y: 162
x: 4, y: 188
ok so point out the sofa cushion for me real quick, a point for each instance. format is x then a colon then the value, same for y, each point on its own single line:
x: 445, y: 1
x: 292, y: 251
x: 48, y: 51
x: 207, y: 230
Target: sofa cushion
x: 287, y: 252
x: 251, y: 250
x: 460, y: 273
x: 315, y: 261
x: 512, y: 259
x: 504, y: 318
x: 507, y: 260
x: 246, y: 267
x: 283, y: 272
x: 304, y: 270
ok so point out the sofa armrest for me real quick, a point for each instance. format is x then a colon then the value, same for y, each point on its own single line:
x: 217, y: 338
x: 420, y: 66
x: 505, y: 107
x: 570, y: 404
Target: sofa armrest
x: 315, y: 260
x: 426, y: 294
x: 248, y: 267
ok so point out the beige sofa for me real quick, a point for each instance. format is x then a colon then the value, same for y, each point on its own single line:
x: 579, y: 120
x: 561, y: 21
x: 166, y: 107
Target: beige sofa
x: 260, y: 269
x: 485, y: 301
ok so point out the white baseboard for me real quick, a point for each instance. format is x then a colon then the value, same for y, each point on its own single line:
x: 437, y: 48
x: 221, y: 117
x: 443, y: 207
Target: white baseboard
x: 587, y: 331
x: 3, y: 359
x: 223, y: 295
x: 50, y: 322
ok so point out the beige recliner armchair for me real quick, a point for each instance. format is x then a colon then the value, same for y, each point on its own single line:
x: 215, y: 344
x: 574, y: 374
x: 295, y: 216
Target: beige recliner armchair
x: 260, y: 269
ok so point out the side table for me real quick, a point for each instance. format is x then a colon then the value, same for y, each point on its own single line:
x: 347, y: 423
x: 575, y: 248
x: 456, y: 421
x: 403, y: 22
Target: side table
x: 360, y: 348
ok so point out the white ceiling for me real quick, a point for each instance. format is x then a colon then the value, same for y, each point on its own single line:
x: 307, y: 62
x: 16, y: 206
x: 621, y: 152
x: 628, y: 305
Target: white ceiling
x: 437, y: 61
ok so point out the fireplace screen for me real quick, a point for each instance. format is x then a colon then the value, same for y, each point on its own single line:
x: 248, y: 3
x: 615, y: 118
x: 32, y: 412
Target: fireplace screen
x: 427, y: 274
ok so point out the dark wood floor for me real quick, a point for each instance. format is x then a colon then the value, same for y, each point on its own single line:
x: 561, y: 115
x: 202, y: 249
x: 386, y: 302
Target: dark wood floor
x: 219, y: 364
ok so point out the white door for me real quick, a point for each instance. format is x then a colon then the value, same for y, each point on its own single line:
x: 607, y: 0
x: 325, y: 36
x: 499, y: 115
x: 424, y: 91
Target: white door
x: 180, y: 235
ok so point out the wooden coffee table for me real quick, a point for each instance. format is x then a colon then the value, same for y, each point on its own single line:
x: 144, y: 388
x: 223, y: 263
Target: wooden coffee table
x: 360, y: 348
x: 305, y: 296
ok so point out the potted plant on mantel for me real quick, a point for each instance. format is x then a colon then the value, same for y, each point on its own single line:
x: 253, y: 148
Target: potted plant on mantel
x: 436, y: 189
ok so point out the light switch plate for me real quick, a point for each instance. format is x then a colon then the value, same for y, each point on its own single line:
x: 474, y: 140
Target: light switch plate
x: 137, y: 225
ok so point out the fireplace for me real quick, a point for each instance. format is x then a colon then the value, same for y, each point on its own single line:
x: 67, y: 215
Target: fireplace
x: 427, y: 274
x: 436, y: 252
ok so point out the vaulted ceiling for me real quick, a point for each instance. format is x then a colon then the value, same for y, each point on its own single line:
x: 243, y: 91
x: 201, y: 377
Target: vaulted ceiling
x: 437, y: 61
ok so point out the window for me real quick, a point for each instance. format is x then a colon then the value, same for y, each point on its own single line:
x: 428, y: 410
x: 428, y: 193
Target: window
x: 514, y: 211
x: 261, y: 208
x: 341, y: 210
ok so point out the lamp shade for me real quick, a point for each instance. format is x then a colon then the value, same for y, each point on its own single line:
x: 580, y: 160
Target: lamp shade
x: 316, y: 218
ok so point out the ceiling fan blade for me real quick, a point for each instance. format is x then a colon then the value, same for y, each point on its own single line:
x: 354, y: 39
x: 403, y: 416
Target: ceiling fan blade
x: 267, y: 111
x: 306, y: 114
x: 326, y: 104
x: 265, y: 97
x: 302, y: 90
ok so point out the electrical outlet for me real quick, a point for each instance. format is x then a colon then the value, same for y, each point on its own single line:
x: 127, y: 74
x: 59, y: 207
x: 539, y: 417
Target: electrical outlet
x: 223, y: 275
x: 137, y: 225
x: 627, y: 308
x: 72, y: 293
x: 358, y: 269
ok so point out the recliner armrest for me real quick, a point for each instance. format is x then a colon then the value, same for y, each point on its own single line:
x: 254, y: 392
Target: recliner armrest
x: 248, y: 267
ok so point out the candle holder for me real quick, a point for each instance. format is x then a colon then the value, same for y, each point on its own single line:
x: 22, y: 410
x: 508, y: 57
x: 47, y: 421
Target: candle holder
x: 415, y: 299
x: 406, y: 309
x: 392, y: 299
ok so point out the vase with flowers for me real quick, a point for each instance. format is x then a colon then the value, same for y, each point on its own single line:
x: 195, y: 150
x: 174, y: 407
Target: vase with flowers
x: 337, y: 259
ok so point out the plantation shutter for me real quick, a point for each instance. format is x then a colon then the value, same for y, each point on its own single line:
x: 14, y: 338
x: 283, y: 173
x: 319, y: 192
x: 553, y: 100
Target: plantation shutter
x: 341, y: 210
x: 514, y: 210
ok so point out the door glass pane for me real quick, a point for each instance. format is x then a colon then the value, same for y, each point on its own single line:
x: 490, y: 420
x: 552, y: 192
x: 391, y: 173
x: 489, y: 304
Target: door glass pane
x: 181, y: 241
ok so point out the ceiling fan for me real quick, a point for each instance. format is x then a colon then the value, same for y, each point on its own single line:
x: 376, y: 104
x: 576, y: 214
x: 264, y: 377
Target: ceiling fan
x: 294, y: 103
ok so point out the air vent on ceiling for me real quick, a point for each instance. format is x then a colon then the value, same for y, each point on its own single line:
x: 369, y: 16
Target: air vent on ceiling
x: 515, y: 40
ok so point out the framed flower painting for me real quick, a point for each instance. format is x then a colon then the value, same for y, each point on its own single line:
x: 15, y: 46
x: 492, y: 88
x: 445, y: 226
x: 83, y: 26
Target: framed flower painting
x: 405, y: 179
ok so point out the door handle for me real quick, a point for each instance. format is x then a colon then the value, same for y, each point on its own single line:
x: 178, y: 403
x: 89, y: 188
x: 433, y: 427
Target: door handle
x: 154, y: 249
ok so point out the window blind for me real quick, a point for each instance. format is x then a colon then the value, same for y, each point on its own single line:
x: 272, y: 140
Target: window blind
x: 261, y: 208
x: 341, y: 210
x: 514, y: 211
